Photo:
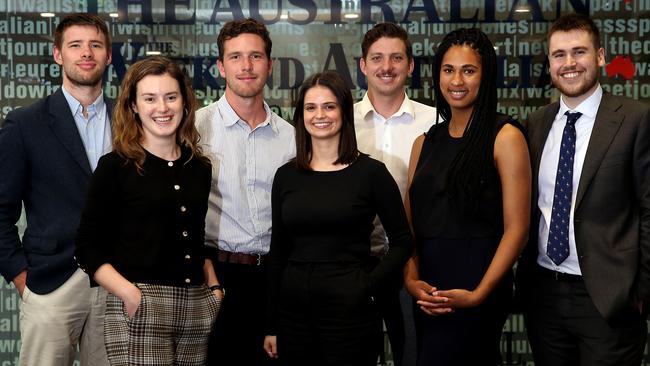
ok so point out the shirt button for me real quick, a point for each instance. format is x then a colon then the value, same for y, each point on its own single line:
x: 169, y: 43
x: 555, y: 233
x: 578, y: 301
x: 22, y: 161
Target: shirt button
x: 170, y: 163
x: 183, y: 209
x: 187, y: 256
x: 177, y: 187
x: 187, y: 280
x: 185, y: 233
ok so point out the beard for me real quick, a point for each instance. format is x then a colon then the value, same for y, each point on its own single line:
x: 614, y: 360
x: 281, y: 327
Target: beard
x: 84, y: 79
x: 576, y: 90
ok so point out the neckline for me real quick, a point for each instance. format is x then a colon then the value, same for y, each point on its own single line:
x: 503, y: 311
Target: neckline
x: 339, y: 170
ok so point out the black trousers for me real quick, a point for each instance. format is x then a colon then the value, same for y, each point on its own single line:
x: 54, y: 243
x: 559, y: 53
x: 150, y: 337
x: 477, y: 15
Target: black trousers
x: 565, y: 328
x: 238, y: 335
x: 327, y: 316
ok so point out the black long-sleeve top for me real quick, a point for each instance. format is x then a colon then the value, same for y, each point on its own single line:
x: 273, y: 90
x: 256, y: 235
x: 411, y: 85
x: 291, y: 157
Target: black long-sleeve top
x: 328, y: 217
x: 149, y: 226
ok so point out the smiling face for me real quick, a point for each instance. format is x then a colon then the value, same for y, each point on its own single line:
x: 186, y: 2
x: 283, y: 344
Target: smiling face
x: 159, y: 104
x: 460, y: 77
x: 245, y: 65
x: 83, y: 55
x: 322, y: 114
x: 386, y: 67
x: 574, y: 63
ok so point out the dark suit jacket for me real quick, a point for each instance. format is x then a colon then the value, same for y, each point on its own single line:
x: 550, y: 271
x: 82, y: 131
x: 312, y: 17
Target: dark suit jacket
x: 612, y: 210
x: 43, y: 164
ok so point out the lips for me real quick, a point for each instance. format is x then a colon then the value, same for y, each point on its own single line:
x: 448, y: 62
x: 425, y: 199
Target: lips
x: 570, y: 75
x: 458, y: 94
x: 87, y: 65
x: 321, y: 125
x: 163, y: 120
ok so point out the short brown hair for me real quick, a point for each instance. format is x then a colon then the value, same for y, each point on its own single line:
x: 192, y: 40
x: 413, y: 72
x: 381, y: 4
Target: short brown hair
x: 127, y: 126
x: 388, y: 30
x: 575, y: 21
x: 235, y: 28
x: 82, y: 19
x: 348, y: 151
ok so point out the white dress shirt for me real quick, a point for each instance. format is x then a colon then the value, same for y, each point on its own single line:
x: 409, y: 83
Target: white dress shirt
x: 244, y: 162
x: 389, y: 140
x: 548, y: 171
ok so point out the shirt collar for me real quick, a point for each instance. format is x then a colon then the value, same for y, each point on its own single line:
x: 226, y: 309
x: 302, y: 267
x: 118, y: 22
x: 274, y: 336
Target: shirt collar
x: 367, y: 107
x: 230, y: 117
x: 588, y: 107
x: 75, y: 105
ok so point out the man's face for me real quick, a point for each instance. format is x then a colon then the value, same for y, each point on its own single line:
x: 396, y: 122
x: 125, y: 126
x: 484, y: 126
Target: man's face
x: 574, y: 63
x: 245, y: 65
x: 84, y: 55
x: 386, y: 67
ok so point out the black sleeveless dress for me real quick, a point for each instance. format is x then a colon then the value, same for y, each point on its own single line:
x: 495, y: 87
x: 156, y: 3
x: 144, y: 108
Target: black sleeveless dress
x: 455, y: 247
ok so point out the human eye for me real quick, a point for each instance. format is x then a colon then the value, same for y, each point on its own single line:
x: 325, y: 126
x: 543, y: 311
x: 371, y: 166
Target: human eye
x: 398, y: 58
x: 96, y: 45
x: 172, y: 98
x: 148, y: 99
x: 375, y: 58
x: 331, y: 106
x: 310, y: 108
x: 469, y: 71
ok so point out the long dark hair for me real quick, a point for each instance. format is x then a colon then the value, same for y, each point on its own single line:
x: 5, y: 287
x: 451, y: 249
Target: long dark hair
x: 469, y: 168
x: 347, y: 141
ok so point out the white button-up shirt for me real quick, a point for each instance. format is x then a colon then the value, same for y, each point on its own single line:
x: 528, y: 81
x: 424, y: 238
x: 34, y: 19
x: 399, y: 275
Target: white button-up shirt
x: 390, y: 140
x: 244, y: 162
x: 548, y: 170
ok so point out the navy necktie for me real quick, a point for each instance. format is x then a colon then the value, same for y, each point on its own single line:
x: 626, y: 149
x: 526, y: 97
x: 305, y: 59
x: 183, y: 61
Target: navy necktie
x: 558, y: 234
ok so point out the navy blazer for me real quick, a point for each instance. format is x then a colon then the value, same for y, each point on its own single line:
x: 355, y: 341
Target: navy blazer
x: 612, y: 209
x: 44, y: 166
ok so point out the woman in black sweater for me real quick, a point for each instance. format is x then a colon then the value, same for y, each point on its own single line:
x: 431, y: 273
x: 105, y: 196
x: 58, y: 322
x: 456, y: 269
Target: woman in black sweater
x: 322, y: 278
x: 142, y: 232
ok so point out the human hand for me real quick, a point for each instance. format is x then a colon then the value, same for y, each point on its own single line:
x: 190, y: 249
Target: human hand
x: 458, y: 298
x: 132, y: 301
x: 271, y: 346
x: 219, y: 294
x: 19, y: 281
x: 428, y: 299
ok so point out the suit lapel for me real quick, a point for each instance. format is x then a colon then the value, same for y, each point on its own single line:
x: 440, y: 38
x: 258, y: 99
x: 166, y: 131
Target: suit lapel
x: 606, y: 126
x: 63, y: 125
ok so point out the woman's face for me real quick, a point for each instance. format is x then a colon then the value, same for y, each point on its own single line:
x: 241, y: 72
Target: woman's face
x: 322, y: 113
x: 159, y: 103
x: 460, y: 77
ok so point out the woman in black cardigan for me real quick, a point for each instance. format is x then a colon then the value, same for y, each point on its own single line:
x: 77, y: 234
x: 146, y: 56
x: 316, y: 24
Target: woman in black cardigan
x: 142, y: 232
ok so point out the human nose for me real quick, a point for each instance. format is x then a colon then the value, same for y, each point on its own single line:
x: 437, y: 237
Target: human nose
x: 86, y: 51
x: 247, y: 63
x: 569, y: 61
x: 162, y: 105
x: 320, y: 112
x: 456, y: 78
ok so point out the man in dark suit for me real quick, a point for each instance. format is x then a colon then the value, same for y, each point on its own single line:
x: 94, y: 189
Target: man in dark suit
x: 585, y: 274
x: 48, y: 151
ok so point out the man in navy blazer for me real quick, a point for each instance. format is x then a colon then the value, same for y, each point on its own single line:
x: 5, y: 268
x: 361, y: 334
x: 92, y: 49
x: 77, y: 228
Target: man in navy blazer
x: 585, y: 274
x: 48, y: 151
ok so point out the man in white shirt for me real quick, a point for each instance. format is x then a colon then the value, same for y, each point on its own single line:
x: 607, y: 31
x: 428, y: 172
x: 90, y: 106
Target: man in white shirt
x: 386, y: 123
x: 246, y: 143
x: 584, y: 277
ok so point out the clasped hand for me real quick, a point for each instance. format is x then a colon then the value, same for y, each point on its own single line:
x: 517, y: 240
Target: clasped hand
x: 434, y: 302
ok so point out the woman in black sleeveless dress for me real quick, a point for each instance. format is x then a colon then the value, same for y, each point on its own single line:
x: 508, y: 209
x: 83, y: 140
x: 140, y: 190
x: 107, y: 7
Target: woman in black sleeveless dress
x: 469, y: 201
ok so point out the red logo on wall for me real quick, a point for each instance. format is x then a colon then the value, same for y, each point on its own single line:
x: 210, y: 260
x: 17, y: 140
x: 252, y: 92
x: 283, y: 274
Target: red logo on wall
x: 621, y: 65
